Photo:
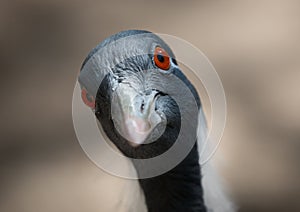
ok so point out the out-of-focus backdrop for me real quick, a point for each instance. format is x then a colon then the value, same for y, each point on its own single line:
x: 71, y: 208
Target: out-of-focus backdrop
x: 254, y: 46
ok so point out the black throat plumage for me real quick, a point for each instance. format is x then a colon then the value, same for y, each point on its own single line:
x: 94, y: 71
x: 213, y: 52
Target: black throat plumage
x: 180, y: 188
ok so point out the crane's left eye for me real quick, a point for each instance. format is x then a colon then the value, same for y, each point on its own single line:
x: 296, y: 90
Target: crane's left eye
x: 161, y: 58
x: 87, y: 98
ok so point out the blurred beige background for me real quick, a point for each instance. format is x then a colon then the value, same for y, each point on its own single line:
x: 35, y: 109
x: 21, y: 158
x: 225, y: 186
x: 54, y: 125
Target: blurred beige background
x: 254, y: 46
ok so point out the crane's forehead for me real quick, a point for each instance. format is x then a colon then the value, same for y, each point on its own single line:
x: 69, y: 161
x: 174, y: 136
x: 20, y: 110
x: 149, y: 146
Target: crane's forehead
x: 113, y: 51
x: 116, y: 48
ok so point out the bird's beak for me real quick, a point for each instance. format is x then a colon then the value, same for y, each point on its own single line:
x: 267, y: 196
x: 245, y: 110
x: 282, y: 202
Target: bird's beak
x: 134, y: 114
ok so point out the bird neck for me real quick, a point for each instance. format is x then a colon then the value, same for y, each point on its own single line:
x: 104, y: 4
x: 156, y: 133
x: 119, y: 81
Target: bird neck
x: 179, y: 189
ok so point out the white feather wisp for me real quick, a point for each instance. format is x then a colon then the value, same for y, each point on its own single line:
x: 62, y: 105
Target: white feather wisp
x: 215, y: 196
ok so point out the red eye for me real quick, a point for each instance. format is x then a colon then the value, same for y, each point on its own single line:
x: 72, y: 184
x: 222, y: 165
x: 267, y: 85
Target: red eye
x: 87, y: 99
x: 161, y: 58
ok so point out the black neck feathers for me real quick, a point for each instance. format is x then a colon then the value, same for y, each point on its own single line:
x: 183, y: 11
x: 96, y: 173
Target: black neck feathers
x: 177, y: 190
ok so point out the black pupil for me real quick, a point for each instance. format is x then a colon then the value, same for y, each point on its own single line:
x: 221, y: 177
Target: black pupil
x: 160, y: 58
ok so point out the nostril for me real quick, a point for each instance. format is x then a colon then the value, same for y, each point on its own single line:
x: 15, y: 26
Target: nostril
x: 142, y: 106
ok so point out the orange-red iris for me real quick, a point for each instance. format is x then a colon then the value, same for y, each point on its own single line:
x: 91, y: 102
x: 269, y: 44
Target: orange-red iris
x: 87, y: 98
x: 161, y: 58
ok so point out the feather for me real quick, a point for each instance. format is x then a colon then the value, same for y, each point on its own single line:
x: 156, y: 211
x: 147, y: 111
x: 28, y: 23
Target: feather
x: 215, y: 196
